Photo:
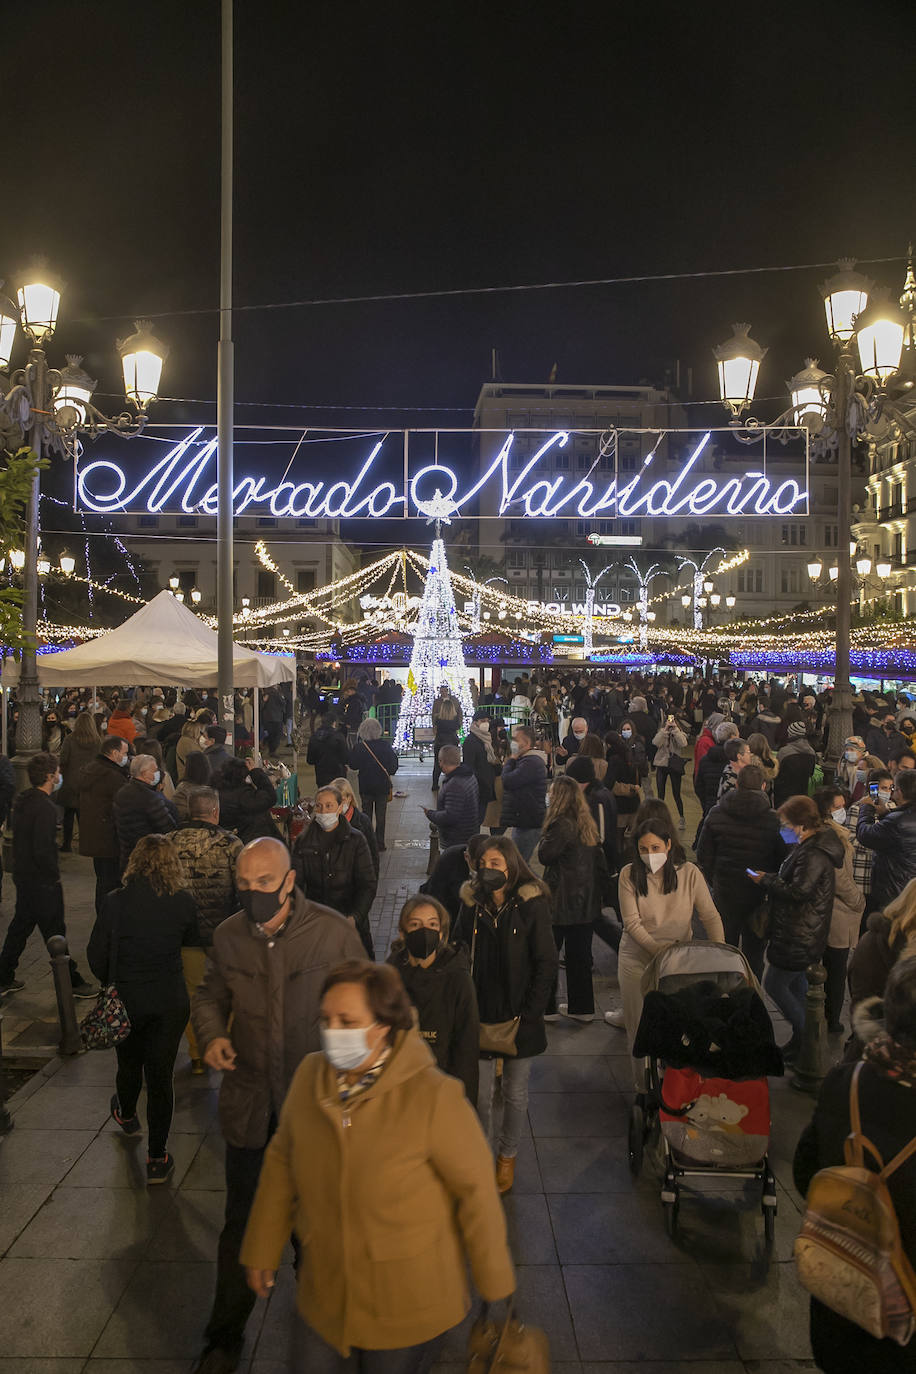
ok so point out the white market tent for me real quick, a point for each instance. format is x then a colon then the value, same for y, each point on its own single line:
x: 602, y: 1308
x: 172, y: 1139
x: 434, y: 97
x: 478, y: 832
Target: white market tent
x: 163, y: 645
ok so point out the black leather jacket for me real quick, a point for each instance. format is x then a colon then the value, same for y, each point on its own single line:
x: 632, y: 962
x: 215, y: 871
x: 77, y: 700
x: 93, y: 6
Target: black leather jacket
x: 800, y: 898
x: 893, y: 839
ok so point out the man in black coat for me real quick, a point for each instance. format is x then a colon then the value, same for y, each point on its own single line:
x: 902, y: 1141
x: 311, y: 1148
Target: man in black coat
x: 884, y: 740
x: 892, y: 837
x: 741, y: 832
x: 36, y: 873
x: 140, y: 808
x: 796, y: 764
x: 456, y: 814
x: 327, y: 751
x: 99, y: 783
x: 334, y: 867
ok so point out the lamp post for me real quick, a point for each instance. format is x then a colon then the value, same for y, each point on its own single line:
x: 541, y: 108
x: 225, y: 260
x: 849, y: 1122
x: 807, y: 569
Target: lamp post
x: 642, y: 605
x: 51, y: 410
x: 591, y: 584
x: 836, y: 410
x: 700, y: 578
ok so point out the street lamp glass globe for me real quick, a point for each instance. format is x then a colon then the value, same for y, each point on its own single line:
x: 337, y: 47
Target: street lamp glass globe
x: 730, y: 601
x: 17, y: 558
x: 883, y: 570
x: 702, y: 601
x: 716, y: 599
x: 39, y: 303
x: 815, y: 568
x: 8, y: 325
x: 845, y: 296
x: 74, y: 393
x: 833, y: 573
x: 880, y: 331
x: 174, y: 582
x: 707, y: 586
x: 650, y: 615
x: 805, y: 389
x: 686, y: 599
x: 67, y: 564
x: 142, y: 358
x: 196, y: 596
x: 738, y: 361
x: 863, y: 565
x: 43, y: 565
x: 179, y: 596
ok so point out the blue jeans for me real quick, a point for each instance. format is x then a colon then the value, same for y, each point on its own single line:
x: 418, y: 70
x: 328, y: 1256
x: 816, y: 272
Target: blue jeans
x: 788, y: 989
x: 506, y: 1136
x: 525, y: 841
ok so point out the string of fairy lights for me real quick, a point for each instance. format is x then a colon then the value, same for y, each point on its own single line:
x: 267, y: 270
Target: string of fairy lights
x: 391, y: 610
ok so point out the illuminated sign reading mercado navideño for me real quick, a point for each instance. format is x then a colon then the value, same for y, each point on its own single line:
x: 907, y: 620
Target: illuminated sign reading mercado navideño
x: 507, y: 485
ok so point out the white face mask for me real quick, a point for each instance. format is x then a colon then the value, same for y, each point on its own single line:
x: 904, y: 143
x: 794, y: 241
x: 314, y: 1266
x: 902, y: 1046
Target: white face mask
x: 580, y: 734
x: 654, y: 861
x: 346, y: 1049
x: 852, y: 756
x: 626, y: 734
x: 839, y: 815
x: 884, y: 797
x: 327, y: 819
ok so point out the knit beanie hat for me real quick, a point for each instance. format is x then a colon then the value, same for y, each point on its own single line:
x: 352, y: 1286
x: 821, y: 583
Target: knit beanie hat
x: 797, y: 730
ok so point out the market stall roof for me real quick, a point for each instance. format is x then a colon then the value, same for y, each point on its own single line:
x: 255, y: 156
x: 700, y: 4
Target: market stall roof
x: 164, y: 644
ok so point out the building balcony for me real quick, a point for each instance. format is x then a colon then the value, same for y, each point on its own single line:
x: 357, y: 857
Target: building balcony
x: 896, y: 511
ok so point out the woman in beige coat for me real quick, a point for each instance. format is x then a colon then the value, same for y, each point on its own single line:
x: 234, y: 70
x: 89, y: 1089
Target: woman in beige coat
x: 382, y: 1166
x: 848, y: 905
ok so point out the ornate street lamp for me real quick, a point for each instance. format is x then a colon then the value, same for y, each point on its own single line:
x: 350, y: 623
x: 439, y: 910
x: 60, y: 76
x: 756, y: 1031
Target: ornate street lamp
x: 846, y: 403
x: 51, y: 410
x: 142, y: 359
x: 67, y: 564
x: 739, y: 360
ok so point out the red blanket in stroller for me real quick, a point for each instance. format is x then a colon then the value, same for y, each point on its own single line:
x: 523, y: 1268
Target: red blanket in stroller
x: 727, y: 1123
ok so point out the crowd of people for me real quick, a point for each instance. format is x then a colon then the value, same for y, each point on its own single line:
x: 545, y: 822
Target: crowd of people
x: 356, y: 1094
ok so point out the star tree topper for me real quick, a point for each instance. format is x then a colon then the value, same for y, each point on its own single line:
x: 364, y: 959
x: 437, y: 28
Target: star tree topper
x: 437, y: 511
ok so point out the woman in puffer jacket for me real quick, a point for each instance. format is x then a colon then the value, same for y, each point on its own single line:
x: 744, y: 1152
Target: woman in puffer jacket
x: 800, y: 898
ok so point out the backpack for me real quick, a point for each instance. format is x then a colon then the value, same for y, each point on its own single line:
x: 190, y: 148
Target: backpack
x: 849, y: 1254
x: 816, y: 780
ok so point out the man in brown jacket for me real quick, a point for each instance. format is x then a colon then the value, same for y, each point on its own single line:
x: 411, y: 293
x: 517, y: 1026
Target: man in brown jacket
x: 265, y: 972
x: 99, y: 783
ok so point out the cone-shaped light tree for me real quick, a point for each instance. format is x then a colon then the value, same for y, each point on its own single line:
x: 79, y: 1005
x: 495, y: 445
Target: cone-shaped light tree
x: 437, y: 656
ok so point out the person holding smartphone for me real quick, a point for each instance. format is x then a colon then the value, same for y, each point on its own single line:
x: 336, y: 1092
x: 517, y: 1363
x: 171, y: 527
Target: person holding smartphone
x: 800, y: 898
x: 669, y: 763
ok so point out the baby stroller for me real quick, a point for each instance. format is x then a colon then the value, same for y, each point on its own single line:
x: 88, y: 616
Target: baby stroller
x: 707, y: 1040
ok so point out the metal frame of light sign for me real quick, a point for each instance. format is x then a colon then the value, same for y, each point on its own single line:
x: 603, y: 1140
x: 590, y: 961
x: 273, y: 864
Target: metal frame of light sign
x: 183, y: 480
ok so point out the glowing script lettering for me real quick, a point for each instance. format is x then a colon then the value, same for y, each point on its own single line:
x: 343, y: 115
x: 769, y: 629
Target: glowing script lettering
x: 185, y: 480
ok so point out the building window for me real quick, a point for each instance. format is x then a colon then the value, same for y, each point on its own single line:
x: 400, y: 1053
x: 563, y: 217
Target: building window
x: 517, y: 558
x: 305, y: 524
x: 627, y: 462
x: 187, y: 522
x: 147, y: 522
x: 266, y: 522
x: 187, y: 581
x: 789, y: 581
x: 750, y: 580
x: 831, y: 536
x: 579, y: 591
x: 305, y: 580
x: 561, y: 460
x: 795, y: 535
x: 267, y: 584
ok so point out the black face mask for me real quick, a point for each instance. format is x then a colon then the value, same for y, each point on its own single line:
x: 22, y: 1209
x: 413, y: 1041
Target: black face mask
x: 491, y: 879
x: 422, y: 942
x: 261, y: 907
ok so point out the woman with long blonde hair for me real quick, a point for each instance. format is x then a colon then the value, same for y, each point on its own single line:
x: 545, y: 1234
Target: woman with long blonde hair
x: 136, y: 944
x: 576, y: 872
x: 759, y: 746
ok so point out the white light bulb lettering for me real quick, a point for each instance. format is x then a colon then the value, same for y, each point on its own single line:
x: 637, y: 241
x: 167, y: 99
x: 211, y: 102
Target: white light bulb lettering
x: 176, y: 482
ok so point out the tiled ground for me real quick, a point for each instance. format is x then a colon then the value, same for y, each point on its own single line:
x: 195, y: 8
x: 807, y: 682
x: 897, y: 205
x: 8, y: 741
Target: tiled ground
x: 98, y: 1274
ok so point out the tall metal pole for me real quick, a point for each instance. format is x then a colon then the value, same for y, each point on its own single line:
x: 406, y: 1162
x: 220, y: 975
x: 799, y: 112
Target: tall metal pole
x: 225, y: 398
x: 28, y: 729
x: 841, y: 707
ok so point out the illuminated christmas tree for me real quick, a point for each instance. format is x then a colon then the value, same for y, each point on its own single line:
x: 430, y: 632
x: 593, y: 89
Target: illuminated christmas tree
x: 437, y: 656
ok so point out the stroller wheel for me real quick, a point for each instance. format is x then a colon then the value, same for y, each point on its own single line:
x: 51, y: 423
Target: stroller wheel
x: 636, y: 1139
x: 671, y: 1211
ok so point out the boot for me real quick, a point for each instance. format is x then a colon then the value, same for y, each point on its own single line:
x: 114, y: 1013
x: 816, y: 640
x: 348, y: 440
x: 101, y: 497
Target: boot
x: 505, y: 1173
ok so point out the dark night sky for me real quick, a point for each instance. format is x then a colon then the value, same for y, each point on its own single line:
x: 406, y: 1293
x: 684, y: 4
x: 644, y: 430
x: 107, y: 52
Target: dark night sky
x: 407, y: 147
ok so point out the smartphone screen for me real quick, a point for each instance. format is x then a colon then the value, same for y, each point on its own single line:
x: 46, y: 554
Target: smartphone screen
x: 873, y: 788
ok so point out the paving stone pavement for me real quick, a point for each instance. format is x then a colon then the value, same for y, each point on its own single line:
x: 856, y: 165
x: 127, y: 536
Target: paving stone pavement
x: 100, y: 1275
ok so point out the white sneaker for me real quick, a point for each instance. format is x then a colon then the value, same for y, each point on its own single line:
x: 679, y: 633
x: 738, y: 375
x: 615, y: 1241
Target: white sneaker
x: 615, y: 1018
x: 584, y: 1016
